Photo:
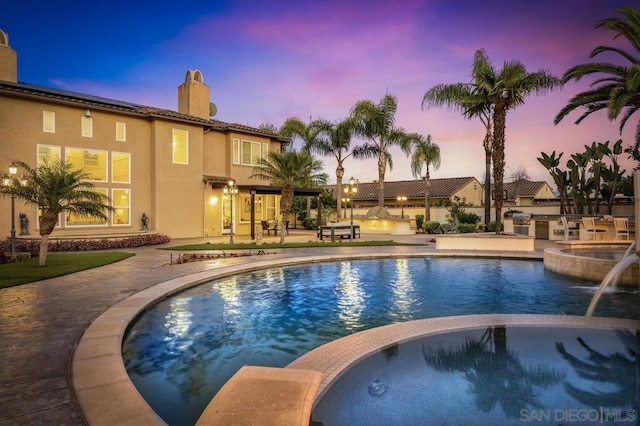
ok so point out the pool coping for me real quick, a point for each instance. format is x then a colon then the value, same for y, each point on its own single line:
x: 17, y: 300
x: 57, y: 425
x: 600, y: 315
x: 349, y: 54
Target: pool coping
x: 101, y: 384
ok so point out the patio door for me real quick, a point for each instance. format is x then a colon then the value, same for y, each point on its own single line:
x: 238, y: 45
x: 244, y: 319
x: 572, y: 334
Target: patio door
x: 226, y: 215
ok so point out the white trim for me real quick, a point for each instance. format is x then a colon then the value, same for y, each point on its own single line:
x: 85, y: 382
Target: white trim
x: 123, y: 127
x: 86, y: 127
x: 128, y: 154
x: 48, y: 121
x: 128, y: 207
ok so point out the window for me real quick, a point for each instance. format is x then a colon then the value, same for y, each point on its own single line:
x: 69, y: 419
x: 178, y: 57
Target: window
x: 121, y: 199
x: 121, y: 167
x: 180, y: 142
x: 48, y: 121
x: 48, y: 154
x: 121, y: 131
x: 91, y: 161
x: 81, y: 220
x: 270, y: 207
x: 251, y: 152
x: 236, y: 151
x: 87, y: 127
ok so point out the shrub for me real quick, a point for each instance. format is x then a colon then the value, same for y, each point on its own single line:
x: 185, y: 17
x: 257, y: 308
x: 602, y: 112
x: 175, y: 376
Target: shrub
x: 468, y: 217
x: 466, y: 228
x: 419, y: 221
x: 310, y: 223
x: 491, y: 226
x: 432, y: 227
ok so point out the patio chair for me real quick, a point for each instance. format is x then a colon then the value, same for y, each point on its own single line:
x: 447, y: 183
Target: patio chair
x: 267, y: 227
x: 590, y: 227
x: 622, y: 227
x: 569, y: 230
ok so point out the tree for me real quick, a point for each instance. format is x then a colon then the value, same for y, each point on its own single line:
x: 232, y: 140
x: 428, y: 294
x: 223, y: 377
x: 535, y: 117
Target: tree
x: 294, y: 128
x: 55, y: 188
x: 425, y: 154
x: 617, y: 87
x: 333, y: 139
x: 559, y: 176
x: 505, y: 89
x: 289, y: 169
x: 472, y: 101
x: 377, y: 123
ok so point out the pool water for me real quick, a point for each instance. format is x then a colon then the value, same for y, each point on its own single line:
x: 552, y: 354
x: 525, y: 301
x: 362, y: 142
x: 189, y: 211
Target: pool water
x: 492, y: 376
x: 183, y: 349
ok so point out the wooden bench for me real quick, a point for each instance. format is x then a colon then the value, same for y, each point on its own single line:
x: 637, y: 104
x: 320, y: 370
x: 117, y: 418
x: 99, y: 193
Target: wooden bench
x: 342, y: 231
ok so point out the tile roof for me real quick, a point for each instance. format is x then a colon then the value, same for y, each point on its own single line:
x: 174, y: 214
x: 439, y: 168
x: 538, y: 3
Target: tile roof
x: 522, y: 188
x: 83, y: 100
x: 412, y: 189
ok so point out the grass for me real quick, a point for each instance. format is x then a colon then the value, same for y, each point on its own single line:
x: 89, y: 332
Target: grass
x: 251, y: 246
x: 58, y: 264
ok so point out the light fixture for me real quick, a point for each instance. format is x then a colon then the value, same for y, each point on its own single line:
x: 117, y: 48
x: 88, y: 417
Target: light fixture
x: 87, y: 114
x: 351, y: 189
x: 13, y: 169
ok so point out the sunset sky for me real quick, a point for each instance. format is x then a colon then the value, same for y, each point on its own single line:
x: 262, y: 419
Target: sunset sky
x: 268, y: 60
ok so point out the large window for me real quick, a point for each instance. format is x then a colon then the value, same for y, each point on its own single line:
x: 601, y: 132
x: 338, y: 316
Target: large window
x: 121, y: 131
x: 48, y: 121
x: 91, y: 161
x: 180, y: 146
x: 120, y: 167
x: 48, y: 154
x: 87, y: 127
x: 80, y: 220
x: 121, y: 199
x: 251, y: 152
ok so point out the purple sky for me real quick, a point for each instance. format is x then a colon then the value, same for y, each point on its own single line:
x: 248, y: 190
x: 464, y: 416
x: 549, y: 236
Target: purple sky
x: 266, y: 61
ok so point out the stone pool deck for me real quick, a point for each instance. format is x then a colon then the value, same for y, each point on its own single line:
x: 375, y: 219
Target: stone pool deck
x: 41, y: 323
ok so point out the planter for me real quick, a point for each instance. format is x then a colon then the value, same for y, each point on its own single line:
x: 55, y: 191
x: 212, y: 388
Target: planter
x: 485, y: 241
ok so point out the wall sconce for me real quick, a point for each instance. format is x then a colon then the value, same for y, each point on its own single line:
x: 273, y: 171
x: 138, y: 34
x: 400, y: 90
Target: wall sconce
x: 213, y: 201
x: 87, y: 114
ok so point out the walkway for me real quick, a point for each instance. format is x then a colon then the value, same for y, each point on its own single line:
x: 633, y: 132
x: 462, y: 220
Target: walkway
x: 40, y: 323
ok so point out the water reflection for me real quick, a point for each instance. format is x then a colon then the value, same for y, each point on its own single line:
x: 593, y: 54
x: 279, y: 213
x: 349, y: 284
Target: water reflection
x: 495, y: 374
x: 230, y: 293
x: 351, y: 296
x: 402, y: 287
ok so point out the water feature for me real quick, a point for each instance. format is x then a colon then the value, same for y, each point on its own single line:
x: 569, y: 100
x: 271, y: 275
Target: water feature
x: 612, y: 277
x: 180, y: 352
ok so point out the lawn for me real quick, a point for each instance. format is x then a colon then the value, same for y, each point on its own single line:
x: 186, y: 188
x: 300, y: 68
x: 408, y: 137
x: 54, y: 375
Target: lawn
x: 58, y: 264
x: 251, y: 246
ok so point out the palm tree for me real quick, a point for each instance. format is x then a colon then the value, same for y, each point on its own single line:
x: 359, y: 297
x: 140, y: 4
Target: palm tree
x: 333, y: 139
x: 55, y: 188
x: 294, y: 128
x: 377, y: 122
x: 425, y: 154
x: 472, y: 101
x: 289, y: 169
x: 505, y: 90
x: 617, y: 87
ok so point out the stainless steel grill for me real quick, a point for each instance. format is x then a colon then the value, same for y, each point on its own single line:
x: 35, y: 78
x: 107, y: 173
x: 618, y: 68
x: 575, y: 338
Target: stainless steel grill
x: 521, y: 223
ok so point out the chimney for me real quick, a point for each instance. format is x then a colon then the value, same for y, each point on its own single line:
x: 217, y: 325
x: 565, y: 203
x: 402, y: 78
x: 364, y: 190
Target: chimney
x: 8, y: 60
x: 194, y: 95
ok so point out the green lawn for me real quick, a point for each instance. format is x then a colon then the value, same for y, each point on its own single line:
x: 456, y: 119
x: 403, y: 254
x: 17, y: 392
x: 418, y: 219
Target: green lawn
x: 250, y: 246
x: 27, y: 271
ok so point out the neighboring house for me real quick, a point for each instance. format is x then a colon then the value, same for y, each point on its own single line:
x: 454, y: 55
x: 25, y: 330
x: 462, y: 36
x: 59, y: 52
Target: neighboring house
x: 524, y: 192
x: 171, y: 165
x: 440, y: 192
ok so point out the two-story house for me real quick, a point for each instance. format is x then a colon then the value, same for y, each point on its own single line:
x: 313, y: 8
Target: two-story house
x: 170, y: 165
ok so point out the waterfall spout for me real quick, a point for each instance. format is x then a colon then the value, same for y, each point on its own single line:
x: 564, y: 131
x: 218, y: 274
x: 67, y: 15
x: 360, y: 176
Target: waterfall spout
x: 612, y: 277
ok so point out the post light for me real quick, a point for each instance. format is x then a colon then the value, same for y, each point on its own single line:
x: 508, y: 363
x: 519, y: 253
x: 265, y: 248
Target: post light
x: 13, y: 169
x: 344, y: 211
x: 230, y: 189
x: 401, y: 200
x: 350, y: 191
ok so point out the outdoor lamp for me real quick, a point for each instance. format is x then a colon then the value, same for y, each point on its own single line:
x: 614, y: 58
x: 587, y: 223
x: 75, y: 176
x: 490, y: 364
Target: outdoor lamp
x: 13, y: 169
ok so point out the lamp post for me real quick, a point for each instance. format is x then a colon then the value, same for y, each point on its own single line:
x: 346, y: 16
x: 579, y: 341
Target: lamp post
x: 231, y: 190
x: 401, y: 200
x: 350, y: 191
x: 13, y: 169
x: 344, y: 211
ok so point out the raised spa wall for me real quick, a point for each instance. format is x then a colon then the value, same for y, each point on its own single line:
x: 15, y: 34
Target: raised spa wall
x: 591, y: 268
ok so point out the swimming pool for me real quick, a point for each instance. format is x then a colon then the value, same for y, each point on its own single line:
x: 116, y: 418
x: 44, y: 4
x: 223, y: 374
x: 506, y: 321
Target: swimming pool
x: 491, y: 375
x: 181, y: 351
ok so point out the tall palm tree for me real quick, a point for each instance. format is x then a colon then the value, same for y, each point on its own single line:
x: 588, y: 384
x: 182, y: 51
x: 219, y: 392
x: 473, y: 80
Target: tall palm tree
x: 377, y: 123
x: 55, y: 188
x: 333, y: 139
x: 425, y: 154
x: 617, y: 87
x: 289, y: 169
x: 472, y: 102
x: 505, y: 89
x: 293, y: 128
